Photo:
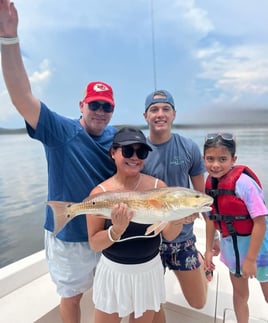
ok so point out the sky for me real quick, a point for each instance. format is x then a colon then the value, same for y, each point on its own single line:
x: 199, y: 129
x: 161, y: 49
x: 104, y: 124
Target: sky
x: 211, y: 55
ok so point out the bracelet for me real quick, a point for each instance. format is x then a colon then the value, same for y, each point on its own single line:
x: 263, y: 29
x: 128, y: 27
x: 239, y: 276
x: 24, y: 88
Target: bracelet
x: 216, y: 235
x: 9, y: 41
x: 110, y: 236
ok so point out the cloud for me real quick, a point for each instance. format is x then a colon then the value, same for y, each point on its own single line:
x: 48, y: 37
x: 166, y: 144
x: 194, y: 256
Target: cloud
x: 38, y: 79
x: 195, y: 16
x: 209, y: 54
x: 51, y: 15
x: 235, y: 72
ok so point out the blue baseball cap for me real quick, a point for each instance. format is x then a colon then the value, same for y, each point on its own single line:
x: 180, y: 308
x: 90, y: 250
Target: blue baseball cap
x: 166, y: 97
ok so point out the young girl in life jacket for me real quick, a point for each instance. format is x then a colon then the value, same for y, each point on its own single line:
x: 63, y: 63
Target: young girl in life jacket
x: 240, y: 214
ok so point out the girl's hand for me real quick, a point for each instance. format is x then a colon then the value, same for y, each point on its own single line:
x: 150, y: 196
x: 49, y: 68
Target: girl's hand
x: 249, y: 268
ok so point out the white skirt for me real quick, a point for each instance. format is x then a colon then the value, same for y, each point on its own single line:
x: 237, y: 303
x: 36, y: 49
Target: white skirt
x: 123, y: 289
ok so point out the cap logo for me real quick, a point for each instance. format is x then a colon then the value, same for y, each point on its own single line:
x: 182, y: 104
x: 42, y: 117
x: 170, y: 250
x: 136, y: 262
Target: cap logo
x: 99, y: 87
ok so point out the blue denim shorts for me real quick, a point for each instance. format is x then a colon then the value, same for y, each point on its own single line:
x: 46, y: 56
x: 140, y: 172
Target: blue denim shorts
x: 180, y: 255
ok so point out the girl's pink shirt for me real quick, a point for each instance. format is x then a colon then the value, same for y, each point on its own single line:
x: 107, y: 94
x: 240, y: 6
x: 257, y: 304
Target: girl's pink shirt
x: 252, y: 195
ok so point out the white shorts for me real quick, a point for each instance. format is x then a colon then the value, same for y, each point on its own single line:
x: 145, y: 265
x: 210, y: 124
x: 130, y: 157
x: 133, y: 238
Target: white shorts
x: 124, y: 289
x: 71, y: 265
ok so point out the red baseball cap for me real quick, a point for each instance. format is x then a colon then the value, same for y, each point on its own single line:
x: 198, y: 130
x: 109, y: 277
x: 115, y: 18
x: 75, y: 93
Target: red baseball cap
x: 96, y: 91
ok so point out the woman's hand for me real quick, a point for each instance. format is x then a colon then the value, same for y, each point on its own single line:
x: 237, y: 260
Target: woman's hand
x: 174, y: 228
x: 121, y: 216
x: 189, y: 219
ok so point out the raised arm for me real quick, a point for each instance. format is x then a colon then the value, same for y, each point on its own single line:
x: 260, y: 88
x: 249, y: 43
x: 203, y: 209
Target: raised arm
x: 14, y: 73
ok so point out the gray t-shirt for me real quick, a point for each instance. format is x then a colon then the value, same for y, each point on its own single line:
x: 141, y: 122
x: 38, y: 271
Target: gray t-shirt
x: 174, y: 162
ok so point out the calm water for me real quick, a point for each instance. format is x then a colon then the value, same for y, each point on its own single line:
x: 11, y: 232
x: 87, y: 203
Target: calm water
x: 23, y: 185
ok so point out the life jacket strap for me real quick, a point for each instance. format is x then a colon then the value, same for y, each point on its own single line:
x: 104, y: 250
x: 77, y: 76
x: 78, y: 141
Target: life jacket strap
x: 223, y: 217
x: 236, y: 251
x: 215, y: 192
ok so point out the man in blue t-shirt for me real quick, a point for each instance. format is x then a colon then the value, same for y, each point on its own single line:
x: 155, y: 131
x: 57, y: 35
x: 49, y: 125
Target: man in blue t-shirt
x: 177, y: 161
x: 77, y: 158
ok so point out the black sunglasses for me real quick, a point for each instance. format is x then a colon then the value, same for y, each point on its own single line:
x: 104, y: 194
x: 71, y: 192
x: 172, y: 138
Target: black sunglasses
x: 224, y: 135
x: 141, y: 152
x: 95, y: 105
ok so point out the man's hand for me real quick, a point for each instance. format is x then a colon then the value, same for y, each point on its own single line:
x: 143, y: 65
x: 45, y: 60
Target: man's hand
x: 8, y: 19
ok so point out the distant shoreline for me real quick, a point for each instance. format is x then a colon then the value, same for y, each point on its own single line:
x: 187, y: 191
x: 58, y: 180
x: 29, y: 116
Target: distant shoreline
x: 7, y: 131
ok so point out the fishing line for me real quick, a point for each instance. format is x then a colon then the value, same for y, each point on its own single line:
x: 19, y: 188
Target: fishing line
x: 138, y: 237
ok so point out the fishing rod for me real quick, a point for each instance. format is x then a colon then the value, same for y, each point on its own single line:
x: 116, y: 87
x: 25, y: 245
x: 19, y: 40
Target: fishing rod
x: 153, y: 44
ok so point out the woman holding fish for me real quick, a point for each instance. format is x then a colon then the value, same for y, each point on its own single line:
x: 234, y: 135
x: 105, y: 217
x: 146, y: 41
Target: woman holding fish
x: 129, y: 277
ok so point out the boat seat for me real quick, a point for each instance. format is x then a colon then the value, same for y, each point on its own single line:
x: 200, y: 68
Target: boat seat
x: 27, y: 284
x: 31, y: 301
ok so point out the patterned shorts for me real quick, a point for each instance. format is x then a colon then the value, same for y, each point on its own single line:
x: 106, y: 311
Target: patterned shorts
x: 180, y: 255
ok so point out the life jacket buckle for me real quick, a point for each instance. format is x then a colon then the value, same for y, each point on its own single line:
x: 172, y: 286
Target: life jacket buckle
x: 214, y: 192
x: 215, y: 217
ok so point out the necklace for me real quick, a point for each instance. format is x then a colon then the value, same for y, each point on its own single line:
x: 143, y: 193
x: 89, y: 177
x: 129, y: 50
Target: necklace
x: 136, y: 185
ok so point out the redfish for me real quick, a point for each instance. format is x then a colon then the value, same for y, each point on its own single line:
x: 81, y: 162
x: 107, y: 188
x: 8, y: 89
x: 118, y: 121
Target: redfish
x: 156, y: 206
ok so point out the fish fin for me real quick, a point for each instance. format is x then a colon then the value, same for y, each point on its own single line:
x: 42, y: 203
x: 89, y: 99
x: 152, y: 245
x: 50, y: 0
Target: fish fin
x: 61, y: 216
x: 156, y: 228
x: 158, y: 204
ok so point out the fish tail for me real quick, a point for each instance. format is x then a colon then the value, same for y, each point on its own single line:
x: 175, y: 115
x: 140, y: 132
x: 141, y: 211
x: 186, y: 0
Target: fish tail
x: 61, y: 215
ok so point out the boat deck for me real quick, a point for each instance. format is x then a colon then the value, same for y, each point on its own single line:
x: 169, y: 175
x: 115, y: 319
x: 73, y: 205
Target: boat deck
x: 174, y: 314
x: 27, y: 295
